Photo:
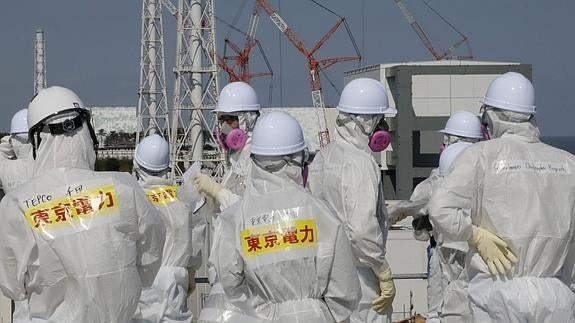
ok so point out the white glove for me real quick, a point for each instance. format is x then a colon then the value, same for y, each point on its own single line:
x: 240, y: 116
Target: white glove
x: 493, y: 250
x: 207, y: 185
x: 6, y: 150
x: 387, y: 292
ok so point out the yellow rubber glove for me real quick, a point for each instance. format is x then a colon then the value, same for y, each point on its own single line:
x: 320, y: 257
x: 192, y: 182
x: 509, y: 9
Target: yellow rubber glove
x: 191, y: 280
x: 387, y: 292
x: 493, y: 250
x: 206, y: 184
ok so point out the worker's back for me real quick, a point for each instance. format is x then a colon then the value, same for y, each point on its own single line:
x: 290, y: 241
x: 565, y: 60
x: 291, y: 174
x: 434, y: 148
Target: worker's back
x: 296, y: 258
x: 79, y: 244
x: 535, y: 216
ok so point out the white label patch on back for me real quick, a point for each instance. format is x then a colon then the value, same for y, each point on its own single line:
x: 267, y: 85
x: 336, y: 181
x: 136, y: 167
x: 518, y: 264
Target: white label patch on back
x: 77, y: 208
x: 537, y: 167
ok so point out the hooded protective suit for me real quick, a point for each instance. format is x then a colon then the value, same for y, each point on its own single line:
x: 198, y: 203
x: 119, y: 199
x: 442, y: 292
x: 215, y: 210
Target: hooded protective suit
x: 6, y: 150
x: 166, y: 300
x: 447, y: 281
x: 286, y: 255
x: 346, y: 175
x: 523, y: 191
x: 217, y: 307
x: 78, y: 244
x: 16, y: 171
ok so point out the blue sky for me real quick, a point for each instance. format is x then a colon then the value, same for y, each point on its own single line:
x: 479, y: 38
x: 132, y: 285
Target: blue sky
x: 93, y: 47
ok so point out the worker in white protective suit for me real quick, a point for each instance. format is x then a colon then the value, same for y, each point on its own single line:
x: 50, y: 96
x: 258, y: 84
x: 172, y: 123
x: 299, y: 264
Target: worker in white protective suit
x: 15, y: 169
x: 77, y: 245
x: 16, y: 153
x: 166, y: 299
x: 237, y: 111
x: 284, y: 254
x: 512, y: 198
x: 447, y: 277
x: 446, y: 259
x: 346, y: 175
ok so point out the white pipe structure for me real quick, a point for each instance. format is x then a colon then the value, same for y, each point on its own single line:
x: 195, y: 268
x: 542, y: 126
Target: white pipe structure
x: 196, y: 88
x: 39, y: 62
x: 152, y: 111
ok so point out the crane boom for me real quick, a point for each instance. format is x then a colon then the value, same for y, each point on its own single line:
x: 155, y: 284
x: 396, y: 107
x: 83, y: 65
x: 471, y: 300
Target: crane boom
x: 237, y: 66
x: 423, y: 36
x: 314, y: 65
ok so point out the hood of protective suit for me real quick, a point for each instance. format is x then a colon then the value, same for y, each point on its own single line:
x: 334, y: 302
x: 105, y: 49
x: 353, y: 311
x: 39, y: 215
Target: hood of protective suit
x: 21, y: 147
x: 508, y: 123
x: 271, y: 174
x: 72, y: 150
x: 248, y: 121
x: 146, y: 179
x: 356, y: 129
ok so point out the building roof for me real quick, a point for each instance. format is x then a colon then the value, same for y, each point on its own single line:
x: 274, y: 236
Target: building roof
x: 448, y: 62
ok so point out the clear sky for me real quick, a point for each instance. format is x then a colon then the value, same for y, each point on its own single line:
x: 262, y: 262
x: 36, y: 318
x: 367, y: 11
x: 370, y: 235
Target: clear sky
x: 93, y: 47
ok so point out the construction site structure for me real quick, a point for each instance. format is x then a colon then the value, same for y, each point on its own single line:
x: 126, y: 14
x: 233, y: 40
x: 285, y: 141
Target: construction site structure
x: 314, y: 65
x: 152, y: 110
x: 195, y: 90
x: 236, y: 65
x: 426, y: 41
x: 39, y: 62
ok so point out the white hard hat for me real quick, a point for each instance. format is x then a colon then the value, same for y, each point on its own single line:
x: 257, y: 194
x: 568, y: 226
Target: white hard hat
x: 153, y: 153
x: 511, y: 91
x: 449, y: 154
x: 237, y: 97
x: 51, y: 101
x: 463, y: 124
x: 365, y: 96
x: 19, y: 122
x: 277, y: 134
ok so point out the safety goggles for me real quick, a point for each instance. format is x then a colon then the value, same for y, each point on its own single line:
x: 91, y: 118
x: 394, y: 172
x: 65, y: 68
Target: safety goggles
x: 60, y: 128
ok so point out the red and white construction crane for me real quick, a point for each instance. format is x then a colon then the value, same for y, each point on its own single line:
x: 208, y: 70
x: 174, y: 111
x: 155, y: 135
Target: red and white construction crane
x: 236, y: 65
x: 315, y: 65
x: 426, y: 42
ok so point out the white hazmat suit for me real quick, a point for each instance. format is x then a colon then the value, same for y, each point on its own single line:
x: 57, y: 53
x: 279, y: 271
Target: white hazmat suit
x: 14, y: 172
x: 523, y: 191
x: 15, y: 169
x: 77, y: 244
x: 166, y: 300
x: 346, y: 175
x: 217, y: 307
x: 285, y: 254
